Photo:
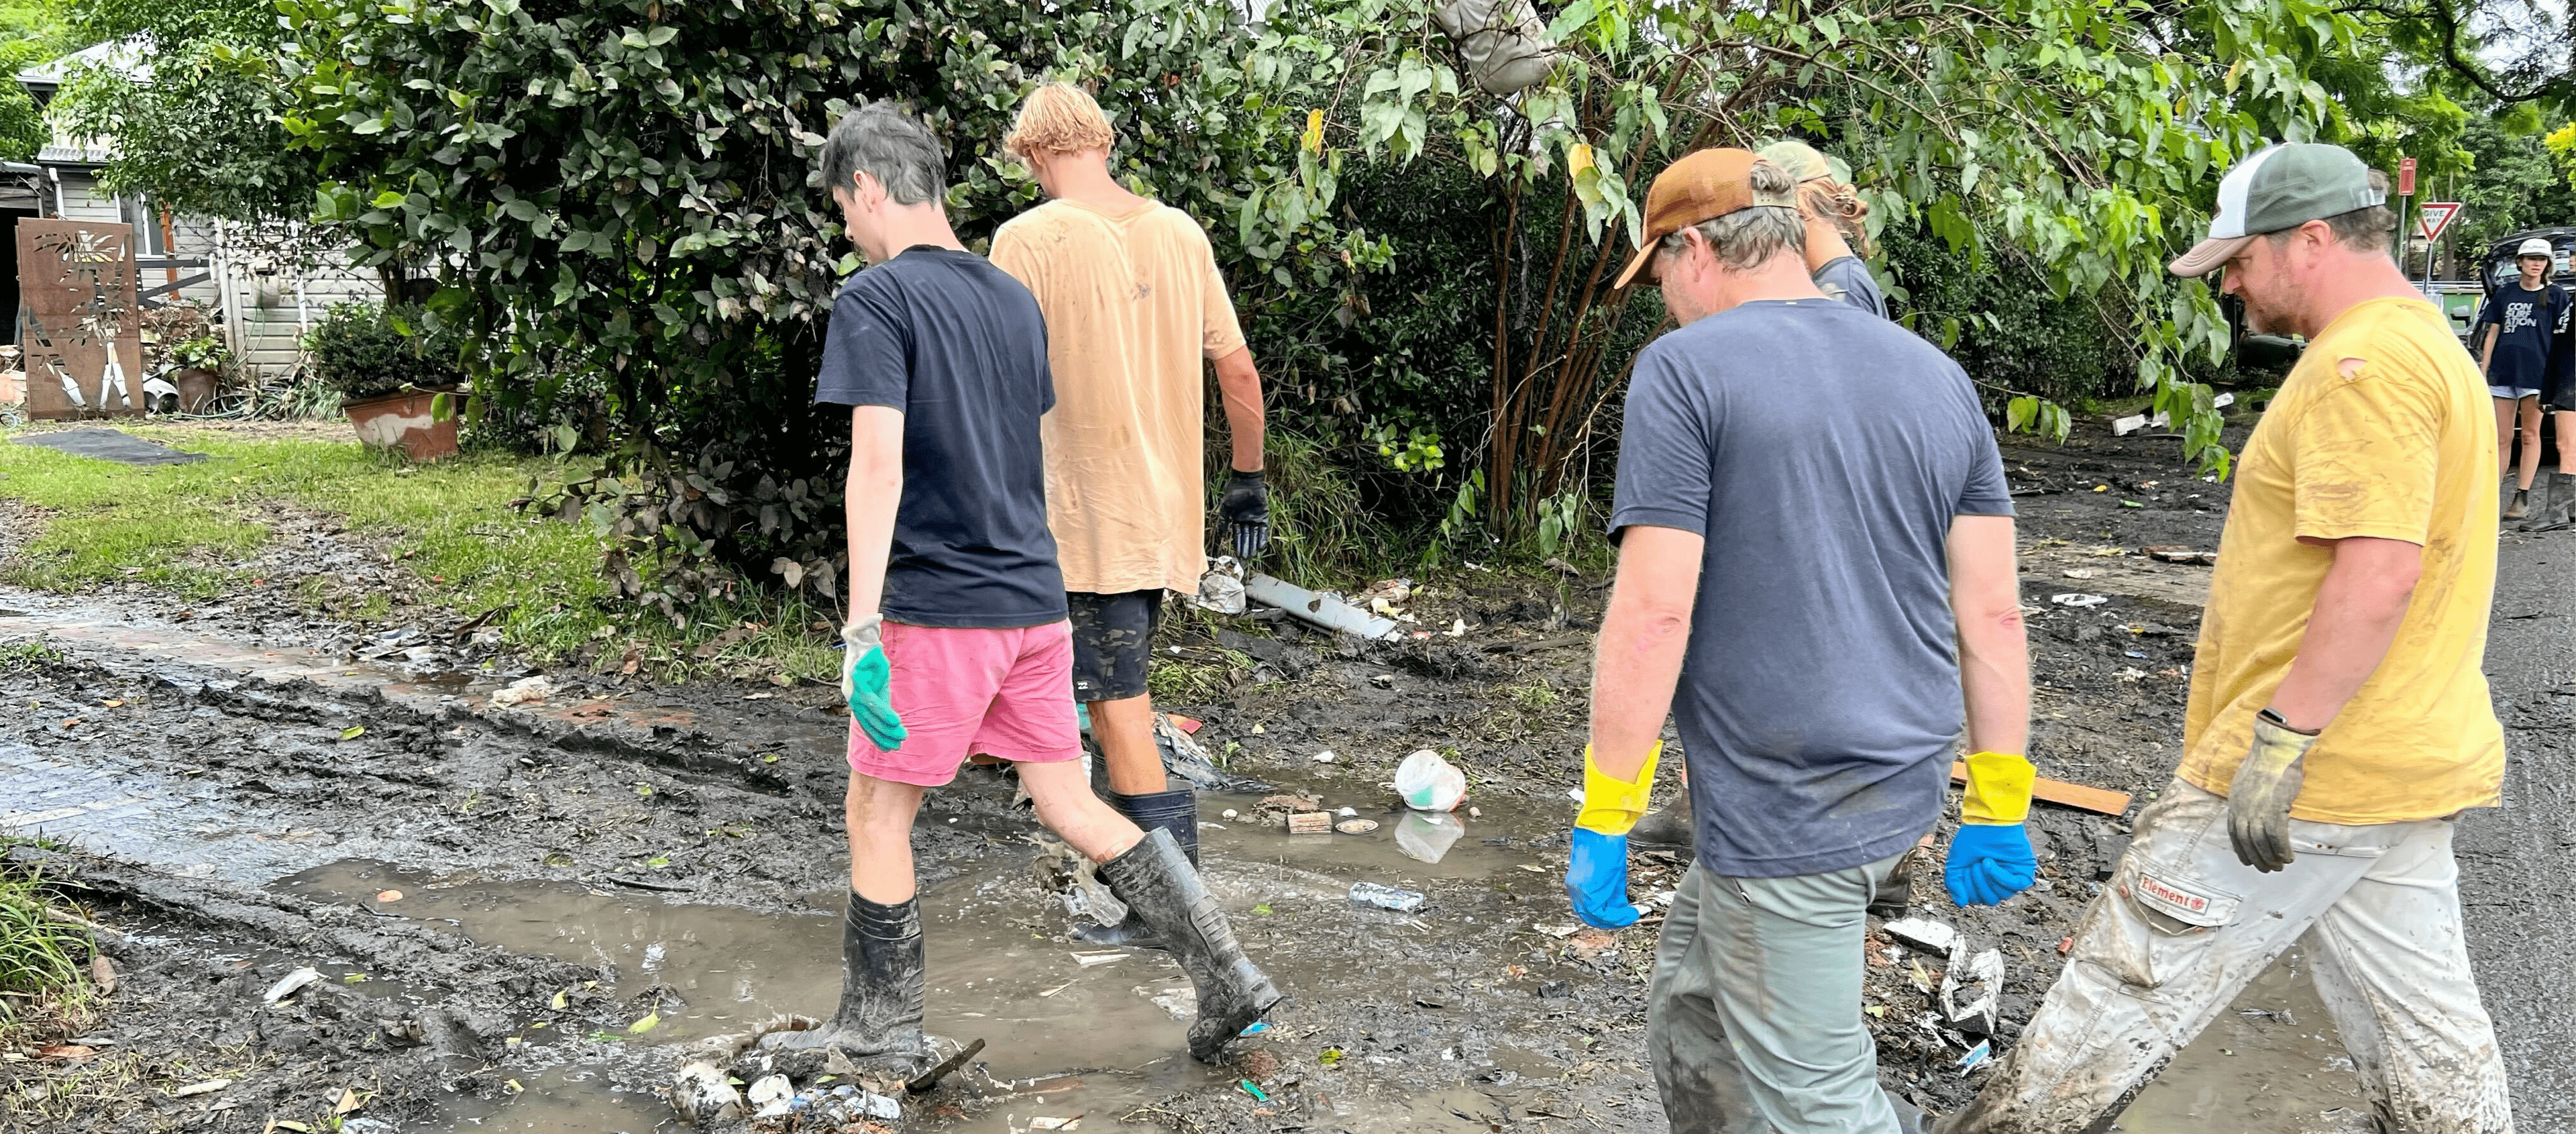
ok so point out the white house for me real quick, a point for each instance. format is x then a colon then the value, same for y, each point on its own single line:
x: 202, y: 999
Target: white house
x: 263, y: 304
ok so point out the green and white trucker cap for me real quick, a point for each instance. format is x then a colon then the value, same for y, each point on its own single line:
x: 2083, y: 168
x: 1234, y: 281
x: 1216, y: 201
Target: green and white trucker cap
x: 2278, y: 188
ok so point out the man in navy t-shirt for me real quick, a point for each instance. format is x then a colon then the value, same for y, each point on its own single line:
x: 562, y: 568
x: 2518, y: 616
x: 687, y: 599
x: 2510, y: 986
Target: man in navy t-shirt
x: 957, y: 641
x: 1819, y: 672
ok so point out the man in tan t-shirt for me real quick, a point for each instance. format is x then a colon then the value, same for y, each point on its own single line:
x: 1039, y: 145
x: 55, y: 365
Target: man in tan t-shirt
x: 1133, y: 301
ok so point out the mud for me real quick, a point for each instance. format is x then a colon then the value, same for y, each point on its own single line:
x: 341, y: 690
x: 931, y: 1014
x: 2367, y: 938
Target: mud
x: 674, y: 854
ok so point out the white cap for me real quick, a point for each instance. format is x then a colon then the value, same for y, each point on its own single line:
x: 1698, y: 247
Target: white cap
x: 2536, y: 246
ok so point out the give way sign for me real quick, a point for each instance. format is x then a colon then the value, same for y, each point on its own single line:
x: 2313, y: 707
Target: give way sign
x: 2434, y: 216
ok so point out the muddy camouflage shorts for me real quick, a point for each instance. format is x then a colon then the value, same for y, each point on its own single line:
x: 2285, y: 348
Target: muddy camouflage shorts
x: 1113, y: 635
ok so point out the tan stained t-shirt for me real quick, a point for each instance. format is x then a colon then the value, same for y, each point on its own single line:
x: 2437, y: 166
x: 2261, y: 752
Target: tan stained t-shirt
x: 1133, y: 301
x: 2383, y: 429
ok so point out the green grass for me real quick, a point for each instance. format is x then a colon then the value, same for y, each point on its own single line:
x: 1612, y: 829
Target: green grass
x: 44, y: 961
x: 183, y: 528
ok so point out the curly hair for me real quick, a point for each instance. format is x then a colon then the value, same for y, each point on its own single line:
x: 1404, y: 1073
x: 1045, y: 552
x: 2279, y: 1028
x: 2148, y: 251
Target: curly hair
x: 1827, y: 199
x: 1059, y: 118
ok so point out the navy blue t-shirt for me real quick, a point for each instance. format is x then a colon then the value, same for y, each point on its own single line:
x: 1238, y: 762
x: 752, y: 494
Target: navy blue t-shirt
x: 2531, y: 324
x: 1847, y: 279
x: 959, y: 347
x: 1822, y: 451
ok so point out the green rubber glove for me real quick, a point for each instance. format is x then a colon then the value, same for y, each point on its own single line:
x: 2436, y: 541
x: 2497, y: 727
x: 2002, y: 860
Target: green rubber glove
x: 2259, y: 797
x: 864, y: 677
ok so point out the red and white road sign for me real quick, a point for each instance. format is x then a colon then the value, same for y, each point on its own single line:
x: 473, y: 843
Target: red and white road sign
x: 2432, y: 217
x: 2406, y: 177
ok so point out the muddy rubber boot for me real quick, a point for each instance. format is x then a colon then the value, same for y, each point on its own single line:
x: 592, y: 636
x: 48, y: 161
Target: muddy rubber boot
x: 1157, y: 882
x: 2519, y: 506
x: 878, y: 1025
x: 1176, y: 811
x: 2557, y: 510
x: 1672, y: 826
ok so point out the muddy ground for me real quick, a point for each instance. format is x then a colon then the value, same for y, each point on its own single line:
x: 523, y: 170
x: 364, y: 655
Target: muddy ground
x: 523, y: 918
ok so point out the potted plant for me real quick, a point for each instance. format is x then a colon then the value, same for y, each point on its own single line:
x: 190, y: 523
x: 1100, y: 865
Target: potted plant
x: 201, y: 363
x: 397, y: 378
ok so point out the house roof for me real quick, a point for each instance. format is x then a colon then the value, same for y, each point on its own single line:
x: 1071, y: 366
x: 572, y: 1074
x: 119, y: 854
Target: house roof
x: 129, y: 55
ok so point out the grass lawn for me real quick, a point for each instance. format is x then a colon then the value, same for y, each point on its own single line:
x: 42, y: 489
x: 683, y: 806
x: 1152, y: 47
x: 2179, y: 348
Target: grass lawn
x: 185, y: 529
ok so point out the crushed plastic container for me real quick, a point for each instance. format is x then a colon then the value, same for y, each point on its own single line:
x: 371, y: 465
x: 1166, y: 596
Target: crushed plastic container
x: 1387, y: 897
x: 1429, y: 783
x: 1426, y: 836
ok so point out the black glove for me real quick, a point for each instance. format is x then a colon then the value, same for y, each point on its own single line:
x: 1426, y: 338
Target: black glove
x: 1246, y: 508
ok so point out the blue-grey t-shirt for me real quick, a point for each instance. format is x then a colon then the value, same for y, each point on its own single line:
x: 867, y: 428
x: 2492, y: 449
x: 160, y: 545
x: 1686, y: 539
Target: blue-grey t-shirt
x: 2530, y: 325
x: 1847, y: 279
x: 959, y: 347
x: 1822, y: 451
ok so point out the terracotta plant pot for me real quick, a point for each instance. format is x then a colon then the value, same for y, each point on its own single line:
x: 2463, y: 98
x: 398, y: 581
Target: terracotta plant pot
x: 403, y: 420
x: 196, y: 387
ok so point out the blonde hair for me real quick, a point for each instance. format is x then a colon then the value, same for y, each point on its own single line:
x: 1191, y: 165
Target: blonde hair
x: 1829, y: 200
x: 1059, y: 118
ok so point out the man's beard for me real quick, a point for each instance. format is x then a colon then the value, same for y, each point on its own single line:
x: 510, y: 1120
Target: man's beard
x: 2271, y: 315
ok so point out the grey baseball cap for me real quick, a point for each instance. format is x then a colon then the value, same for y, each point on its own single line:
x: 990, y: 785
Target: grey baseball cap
x: 2280, y: 187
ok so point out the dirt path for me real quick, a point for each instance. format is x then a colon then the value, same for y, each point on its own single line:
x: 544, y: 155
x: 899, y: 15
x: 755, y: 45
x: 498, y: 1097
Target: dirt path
x: 623, y: 853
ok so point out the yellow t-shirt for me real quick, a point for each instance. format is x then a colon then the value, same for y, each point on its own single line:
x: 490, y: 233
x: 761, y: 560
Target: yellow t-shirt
x: 1132, y: 301
x: 2383, y: 429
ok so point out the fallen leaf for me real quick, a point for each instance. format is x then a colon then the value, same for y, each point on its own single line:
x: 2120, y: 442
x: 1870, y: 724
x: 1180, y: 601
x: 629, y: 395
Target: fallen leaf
x: 389, y: 895
x: 102, y: 972
x: 67, y: 1052
x: 559, y: 999
x: 513, y: 1084
x: 71, y: 722
x: 208, y: 1087
x: 353, y: 732
x: 289, y: 1124
x: 115, y: 704
x: 650, y: 1021
x: 348, y: 1101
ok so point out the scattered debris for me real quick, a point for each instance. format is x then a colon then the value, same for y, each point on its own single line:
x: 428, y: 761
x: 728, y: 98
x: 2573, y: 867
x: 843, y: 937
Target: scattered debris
x: 929, y: 1079
x: 1976, y: 1057
x: 208, y: 1087
x: 524, y: 691
x: 2101, y: 801
x: 2079, y: 600
x: 1356, y: 826
x: 1310, y: 823
x: 1086, y: 960
x: 287, y: 985
x: 2176, y: 554
x: 1221, y: 589
x: 1429, y: 783
x: 770, y: 1097
x: 389, y: 896
x: 701, y: 1094
x: 1323, y: 609
x: 1934, y: 937
x: 1969, y: 986
x: 1325, y: 757
x: 1387, y: 897
x: 102, y: 973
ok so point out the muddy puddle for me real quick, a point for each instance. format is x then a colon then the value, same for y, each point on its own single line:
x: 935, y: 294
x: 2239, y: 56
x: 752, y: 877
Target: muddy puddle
x: 2271, y: 1064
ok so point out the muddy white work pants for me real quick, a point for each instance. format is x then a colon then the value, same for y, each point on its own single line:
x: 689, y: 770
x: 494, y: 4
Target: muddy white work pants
x: 2183, y: 928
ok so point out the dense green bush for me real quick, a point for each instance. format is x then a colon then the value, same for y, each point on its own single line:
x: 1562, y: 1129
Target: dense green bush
x: 365, y: 351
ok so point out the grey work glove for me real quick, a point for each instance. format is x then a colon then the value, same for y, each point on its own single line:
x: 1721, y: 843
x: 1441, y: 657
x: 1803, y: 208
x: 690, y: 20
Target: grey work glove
x: 2259, y: 797
x: 1246, y: 508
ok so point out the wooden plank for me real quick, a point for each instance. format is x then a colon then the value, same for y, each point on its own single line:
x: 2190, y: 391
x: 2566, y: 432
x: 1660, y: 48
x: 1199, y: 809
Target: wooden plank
x: 2060, y: 792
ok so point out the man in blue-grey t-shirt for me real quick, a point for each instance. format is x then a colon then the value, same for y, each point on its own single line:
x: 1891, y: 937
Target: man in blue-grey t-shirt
x: 957, y: 641
x: 1815, y: 574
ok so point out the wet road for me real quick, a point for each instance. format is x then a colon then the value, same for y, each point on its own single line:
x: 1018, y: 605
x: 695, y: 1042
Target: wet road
x: 2517, y: 879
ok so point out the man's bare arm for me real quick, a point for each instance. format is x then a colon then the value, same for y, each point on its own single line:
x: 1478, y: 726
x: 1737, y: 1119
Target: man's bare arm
x: 1994, y: 653
x: 2358, y: 610
x: 1643, y: 637
x: 875, y: 488
x: 1240, y: 385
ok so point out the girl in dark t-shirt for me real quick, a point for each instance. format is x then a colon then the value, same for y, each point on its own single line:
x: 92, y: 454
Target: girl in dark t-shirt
x: 2514, y: 334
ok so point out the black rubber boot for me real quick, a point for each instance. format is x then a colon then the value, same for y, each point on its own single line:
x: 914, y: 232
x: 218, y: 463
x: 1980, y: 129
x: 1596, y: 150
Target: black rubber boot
x: 1160, y: 885
x: 1672, y: 826
x: 2556, y: 509
x: 878, y: 1025
x: 1176, y: 811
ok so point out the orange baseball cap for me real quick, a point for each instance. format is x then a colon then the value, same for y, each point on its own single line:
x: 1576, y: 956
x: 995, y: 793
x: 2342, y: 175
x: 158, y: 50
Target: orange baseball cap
x: 1703, y: 185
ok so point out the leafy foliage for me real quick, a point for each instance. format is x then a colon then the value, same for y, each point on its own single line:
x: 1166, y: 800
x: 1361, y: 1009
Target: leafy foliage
x: 364, y: 350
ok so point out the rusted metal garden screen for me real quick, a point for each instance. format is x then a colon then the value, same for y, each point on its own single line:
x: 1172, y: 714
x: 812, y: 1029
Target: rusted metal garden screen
x: 83, y: 345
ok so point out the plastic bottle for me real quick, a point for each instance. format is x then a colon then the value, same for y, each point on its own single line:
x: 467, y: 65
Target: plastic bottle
x: 1386, y: 897
x: 1429, y: 783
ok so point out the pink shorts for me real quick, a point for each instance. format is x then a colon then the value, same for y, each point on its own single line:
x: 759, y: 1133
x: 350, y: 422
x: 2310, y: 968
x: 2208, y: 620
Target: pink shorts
x: 1006, y: 693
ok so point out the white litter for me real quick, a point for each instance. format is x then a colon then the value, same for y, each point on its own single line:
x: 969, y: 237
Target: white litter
x: 771, y: 1097
x: 287, y: 985
x: 1922, y: 933
x: 524, y: 691
x: 2079, y: 600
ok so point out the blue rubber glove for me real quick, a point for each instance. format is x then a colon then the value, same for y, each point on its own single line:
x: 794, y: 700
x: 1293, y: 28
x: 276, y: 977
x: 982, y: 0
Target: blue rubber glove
x: 865, y: 675
x: 1596, y: 880
x: 1988, y: 863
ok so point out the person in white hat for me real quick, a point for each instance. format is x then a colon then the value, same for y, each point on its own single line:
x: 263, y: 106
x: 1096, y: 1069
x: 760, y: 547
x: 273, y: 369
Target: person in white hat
x: 2339, y: 720
x: 2515, y: 334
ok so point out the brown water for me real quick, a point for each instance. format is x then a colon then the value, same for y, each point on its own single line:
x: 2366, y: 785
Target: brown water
x: 2271, y: 1063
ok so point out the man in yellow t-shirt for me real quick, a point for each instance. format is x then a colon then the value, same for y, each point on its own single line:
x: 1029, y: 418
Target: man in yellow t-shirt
x: 1133, y: 302
x: 2338, y: 720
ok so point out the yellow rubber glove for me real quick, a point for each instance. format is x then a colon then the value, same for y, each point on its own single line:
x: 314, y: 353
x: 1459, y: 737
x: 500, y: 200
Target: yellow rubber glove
x: 1611, y: 807
x: 1998, y: 789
